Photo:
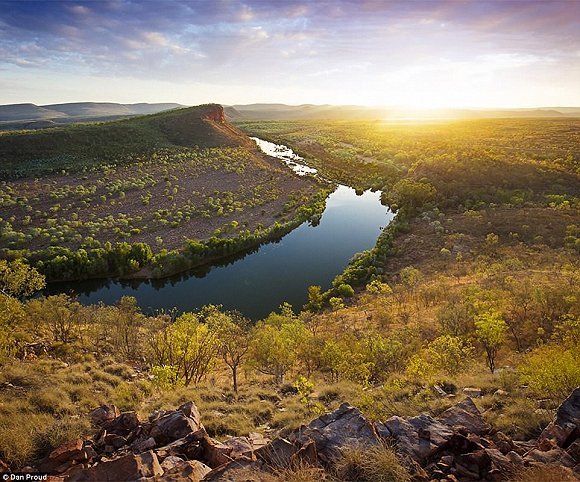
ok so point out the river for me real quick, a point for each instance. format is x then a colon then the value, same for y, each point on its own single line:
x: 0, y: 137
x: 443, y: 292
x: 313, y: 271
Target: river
x: 257, y: 283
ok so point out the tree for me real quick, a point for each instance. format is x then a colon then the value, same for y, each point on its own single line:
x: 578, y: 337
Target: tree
x: 233, y: 338
x: 449, y: 354
x: 490, y: 330
x: 18, y: 279
x: 275, y: 343
x: 187, y: 345
x: 60, y: 314
x: 125, y: 330
x: 411, y: 194
x: 315, y: 299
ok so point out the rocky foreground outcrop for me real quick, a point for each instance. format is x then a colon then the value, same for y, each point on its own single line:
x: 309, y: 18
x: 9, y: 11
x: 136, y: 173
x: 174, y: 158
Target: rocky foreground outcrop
x: 173, y: 446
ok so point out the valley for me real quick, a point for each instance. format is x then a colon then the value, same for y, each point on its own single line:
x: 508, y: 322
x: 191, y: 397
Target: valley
x: 470, y: 289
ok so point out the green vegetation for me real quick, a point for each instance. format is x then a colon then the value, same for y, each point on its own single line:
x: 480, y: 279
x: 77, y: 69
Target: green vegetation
x: 149, y: 196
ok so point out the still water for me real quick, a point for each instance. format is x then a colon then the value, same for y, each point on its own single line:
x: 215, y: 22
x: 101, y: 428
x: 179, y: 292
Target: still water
x: 257, y: 283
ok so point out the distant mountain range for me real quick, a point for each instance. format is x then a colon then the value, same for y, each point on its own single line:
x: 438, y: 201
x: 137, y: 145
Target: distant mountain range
x: 309, y: 111
x: 31, y: 116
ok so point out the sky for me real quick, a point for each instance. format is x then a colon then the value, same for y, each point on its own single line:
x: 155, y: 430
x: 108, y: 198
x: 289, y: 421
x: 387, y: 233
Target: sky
x: 423, y: 54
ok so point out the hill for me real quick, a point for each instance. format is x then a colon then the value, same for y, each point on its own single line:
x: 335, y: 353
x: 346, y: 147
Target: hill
x: 80, y: 196
x: 352, y: 112
x: 25, y: 116
x: 78, y: 145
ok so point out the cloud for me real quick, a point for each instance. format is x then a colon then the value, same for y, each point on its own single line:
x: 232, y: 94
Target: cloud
x: 261, y: 42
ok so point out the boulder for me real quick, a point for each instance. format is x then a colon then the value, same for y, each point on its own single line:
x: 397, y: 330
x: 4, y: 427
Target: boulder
x: 504, y: 443
x: 344, y: 427
x: 277, y: 453
x: 116, y: 441
x: 185, y: 471
x: 565, y: 428
x: 474, y: 465
x: 560, y: 434
x: 64, y: 456
x: 188, y: 447
x: 143, y: 444
x: 554, y: 456
x: 127, y: 468
x: 215, y: 453
x: 171, y: 462
x: 177, y: 424
x: 104, y: 414
x: 465, y: 414
x: 123, y: 424
x: 418, y: 437
x: 243, y: 469
x: 569, y: 411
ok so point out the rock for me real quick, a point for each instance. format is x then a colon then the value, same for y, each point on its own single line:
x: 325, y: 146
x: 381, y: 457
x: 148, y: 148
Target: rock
x: 515, y: 458
x: 126, y: 468
x: 116, y: 441
x: 501, y: 393
x: 215, y: 453
x: 569, y: 411
x: 64, y: 456
x: 502, y: 442
x: 554, y: 456
x: 467, y: 415
x: 574, y: 450
x: 472, y: 392
x: 242, y: 470
x: 475, y: 464
x: 123, y: 424
x: 560, y: 434
x: 142, y: 445
x: 104, y: 414
x: 240, y: 446
x: 171, y: 462
x: 175, y: 425
x: 418, y: 437
x: 190, y: 470
x: 346, y: 426
x: 188, y: 447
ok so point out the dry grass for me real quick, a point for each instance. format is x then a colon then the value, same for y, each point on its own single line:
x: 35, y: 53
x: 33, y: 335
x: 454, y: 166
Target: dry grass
x: 375, y: 464
x: 545, y: 473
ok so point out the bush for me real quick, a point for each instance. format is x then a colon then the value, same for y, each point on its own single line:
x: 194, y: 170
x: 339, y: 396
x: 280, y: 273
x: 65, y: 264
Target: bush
x: 345, y: 290
x: 552, y: 371
x: 375, y: 464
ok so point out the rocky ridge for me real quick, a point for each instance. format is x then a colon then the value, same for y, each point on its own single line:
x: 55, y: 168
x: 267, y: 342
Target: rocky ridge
x: 173, y: 446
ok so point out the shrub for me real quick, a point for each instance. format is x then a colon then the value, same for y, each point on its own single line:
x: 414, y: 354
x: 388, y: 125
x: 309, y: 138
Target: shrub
x: 552, y: 371
x: 375, y: 464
